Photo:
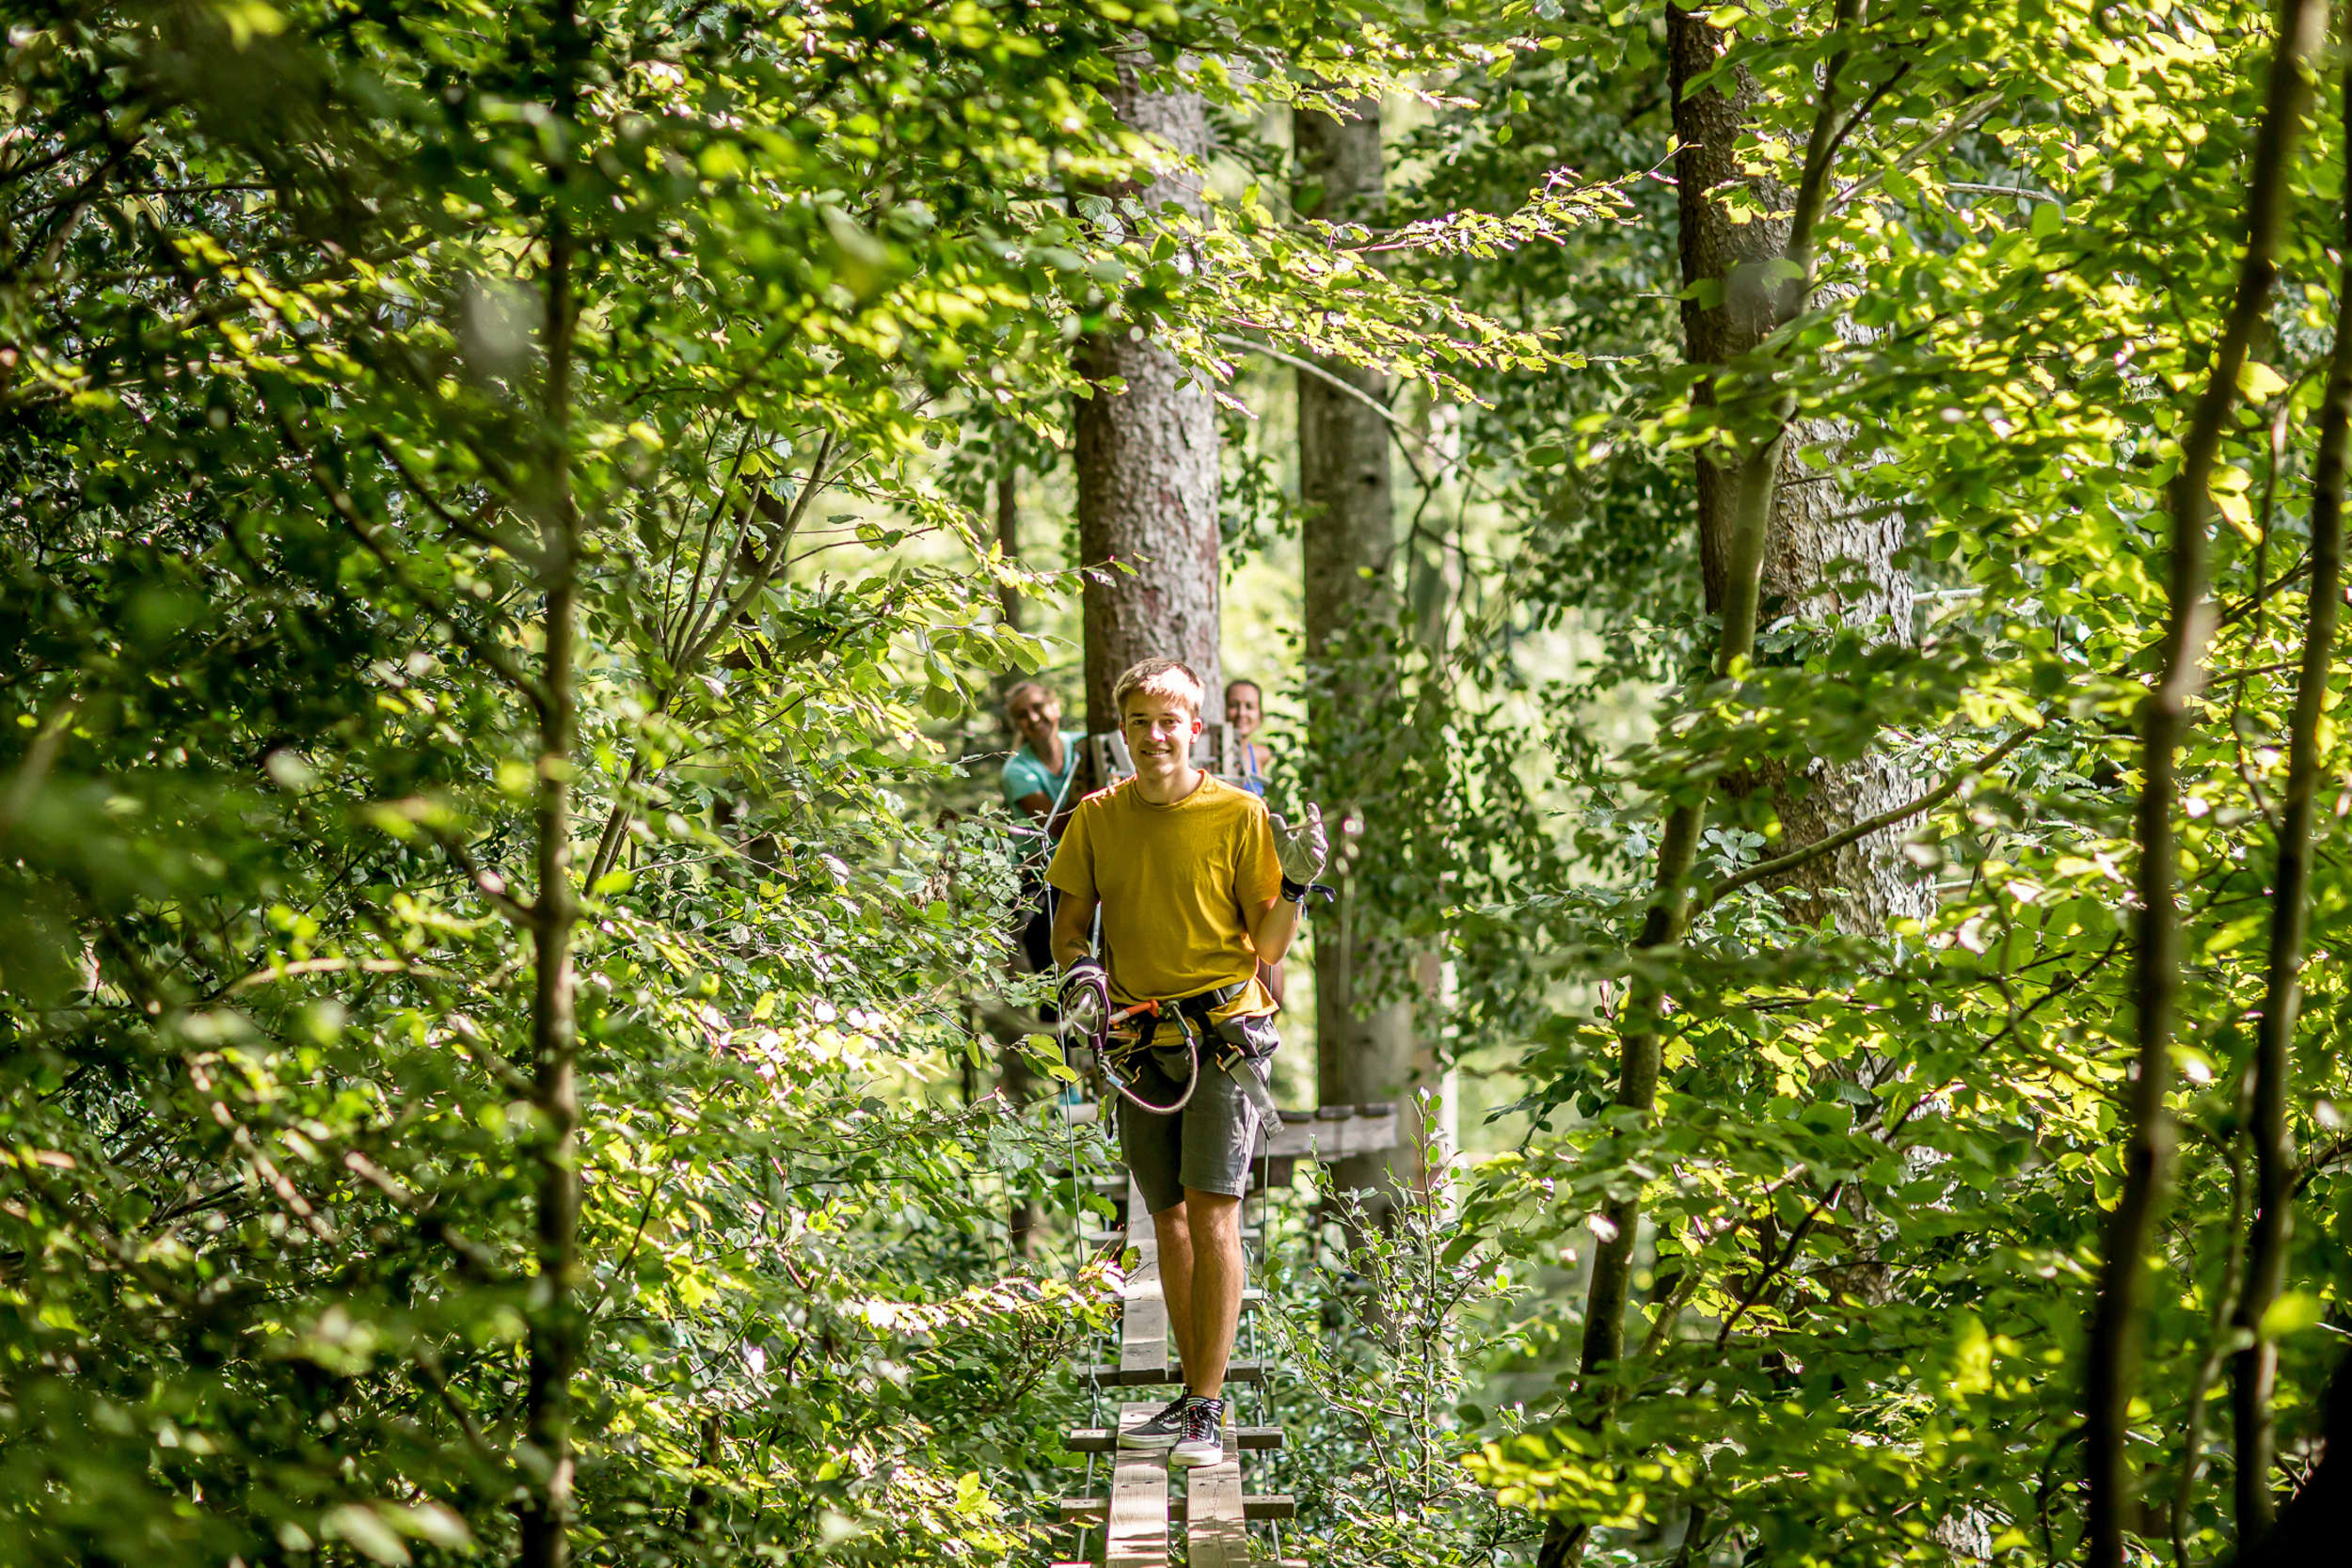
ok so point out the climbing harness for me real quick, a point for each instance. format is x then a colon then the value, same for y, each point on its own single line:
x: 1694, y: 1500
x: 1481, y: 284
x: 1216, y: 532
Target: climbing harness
x: 1117, y: 1040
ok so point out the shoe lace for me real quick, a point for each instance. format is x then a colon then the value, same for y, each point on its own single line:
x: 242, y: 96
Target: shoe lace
x: 1203, y: 1421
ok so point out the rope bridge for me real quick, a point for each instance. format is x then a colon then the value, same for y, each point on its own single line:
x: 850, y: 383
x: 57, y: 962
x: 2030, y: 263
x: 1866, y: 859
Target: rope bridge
x: 1131, y: 1528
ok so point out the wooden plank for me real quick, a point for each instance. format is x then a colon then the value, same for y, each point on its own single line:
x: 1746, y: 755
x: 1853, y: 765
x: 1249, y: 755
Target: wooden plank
x: 1100, y: 1440
x: 1304, y: 1134
x: 1279, y: 1507
x: 1143, y: 1344
x: 1323, y: 1138
x: 1111, y: 1375
x: 1215, y: 1535
x: 1134, y: 1533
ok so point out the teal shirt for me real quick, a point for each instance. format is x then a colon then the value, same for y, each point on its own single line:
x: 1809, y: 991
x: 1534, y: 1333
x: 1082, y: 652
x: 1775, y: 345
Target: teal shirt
x: 1026, y: 774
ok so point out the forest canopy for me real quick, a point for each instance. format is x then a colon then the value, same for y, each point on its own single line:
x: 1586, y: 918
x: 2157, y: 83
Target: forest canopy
x: 1799, y: 546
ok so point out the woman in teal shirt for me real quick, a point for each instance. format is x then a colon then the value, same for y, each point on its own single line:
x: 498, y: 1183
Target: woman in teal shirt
x: 1037, y: 775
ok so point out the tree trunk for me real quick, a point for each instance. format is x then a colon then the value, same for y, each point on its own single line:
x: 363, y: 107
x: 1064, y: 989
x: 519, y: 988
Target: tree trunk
x: 1147, y: 465
x: 1009, y: 541
x: 1738, y: 513
x: 2113, y: 1343
x: 2254, y: 1369
x: 556, y: 1320
x: 1347, y: 546
x: 1813, y: 526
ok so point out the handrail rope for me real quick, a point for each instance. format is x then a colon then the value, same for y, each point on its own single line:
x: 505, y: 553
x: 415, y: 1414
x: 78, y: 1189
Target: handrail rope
x: 1077, y: 1267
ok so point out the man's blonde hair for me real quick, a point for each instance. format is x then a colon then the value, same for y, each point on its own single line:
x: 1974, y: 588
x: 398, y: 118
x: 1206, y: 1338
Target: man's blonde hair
x: 1168, y: 678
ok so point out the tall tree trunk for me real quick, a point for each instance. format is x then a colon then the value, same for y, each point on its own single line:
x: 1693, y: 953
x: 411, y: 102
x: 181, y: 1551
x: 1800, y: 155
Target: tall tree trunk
x: 1737, y: 511
x: 556, y: 1320
x: 1147, y: 465
x: 2254, y: 1367
x: 2116, y: 1318
x: 2315, y: 1523
x: 1813, y: 525
x: 1347, y: 546
x: 1009, y: 541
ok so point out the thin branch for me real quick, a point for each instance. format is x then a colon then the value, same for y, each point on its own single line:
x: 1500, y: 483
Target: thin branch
x: 2254, y: 1369
x: 1862, y: 110
x: 1969, y: 120
x: 1779, y: 1265
x: 690, y: 610
x: 785, y: 528
x: 39, y: 757
x: 1783, y: 864
x: 348, y: 510
x: 491, y: 884
x: 2117, y: 1327
x: 449, y: 520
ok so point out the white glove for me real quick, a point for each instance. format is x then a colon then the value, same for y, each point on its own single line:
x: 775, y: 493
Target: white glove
x: 1303, y: 850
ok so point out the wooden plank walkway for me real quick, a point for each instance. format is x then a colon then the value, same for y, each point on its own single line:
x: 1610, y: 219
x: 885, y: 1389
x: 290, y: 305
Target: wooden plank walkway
x: 1325, y: 1134
x: 1216, y: 1507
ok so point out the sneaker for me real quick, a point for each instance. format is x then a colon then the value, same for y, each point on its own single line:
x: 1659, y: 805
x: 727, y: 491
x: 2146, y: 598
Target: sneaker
x: 1203, y: 1442
x: 1163, y: 1430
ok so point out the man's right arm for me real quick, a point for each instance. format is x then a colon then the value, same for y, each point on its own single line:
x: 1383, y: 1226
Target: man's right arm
x: 1073, y: 925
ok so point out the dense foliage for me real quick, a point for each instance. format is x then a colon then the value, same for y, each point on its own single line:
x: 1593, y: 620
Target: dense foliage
x: 498, y: 962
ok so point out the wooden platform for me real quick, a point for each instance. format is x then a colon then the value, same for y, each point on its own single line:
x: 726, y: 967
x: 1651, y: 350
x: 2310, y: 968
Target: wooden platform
x: 1121, y: 1374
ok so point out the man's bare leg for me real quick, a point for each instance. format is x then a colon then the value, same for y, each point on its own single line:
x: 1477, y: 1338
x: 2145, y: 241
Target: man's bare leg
x: 1213, y: 1285
x: 1171, y: 1226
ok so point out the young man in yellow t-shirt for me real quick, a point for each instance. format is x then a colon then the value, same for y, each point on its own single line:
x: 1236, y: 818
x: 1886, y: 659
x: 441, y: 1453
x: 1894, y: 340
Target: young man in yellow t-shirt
x: 1197, y: 883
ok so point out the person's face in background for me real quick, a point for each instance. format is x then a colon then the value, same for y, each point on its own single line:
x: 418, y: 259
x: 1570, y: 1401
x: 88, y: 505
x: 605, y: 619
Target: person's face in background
x: 1036, y: 714
x: 1244, y: 708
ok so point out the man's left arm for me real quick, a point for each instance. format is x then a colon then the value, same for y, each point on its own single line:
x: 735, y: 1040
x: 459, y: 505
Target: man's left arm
x: 1273, y: 929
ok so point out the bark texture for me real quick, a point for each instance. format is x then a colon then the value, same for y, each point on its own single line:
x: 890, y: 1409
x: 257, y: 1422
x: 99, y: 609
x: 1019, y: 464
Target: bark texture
x: 1146, y: 466
x: 1814, y: 526
x: 1347, y: 546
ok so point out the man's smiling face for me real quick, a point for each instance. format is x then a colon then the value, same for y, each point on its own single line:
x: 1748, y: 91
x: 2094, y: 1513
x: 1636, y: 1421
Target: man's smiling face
x: 1160, y: 732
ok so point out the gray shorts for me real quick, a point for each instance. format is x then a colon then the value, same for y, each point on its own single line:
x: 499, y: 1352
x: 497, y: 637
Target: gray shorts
x: 1209, y: 1144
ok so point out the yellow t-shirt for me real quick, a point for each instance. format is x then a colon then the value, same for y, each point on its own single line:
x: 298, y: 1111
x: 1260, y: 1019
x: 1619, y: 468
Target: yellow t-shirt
x: 1179, y: 884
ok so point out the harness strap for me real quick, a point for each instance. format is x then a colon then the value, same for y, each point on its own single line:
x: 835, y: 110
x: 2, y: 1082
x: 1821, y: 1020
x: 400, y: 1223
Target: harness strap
x: 1252, y: 1088
x: 1196, y: 1010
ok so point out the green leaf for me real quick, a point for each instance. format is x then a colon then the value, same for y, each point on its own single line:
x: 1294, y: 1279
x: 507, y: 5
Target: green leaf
x: 2259, y: 382
x: 365, y: 1529
x: 2292, y: 1313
